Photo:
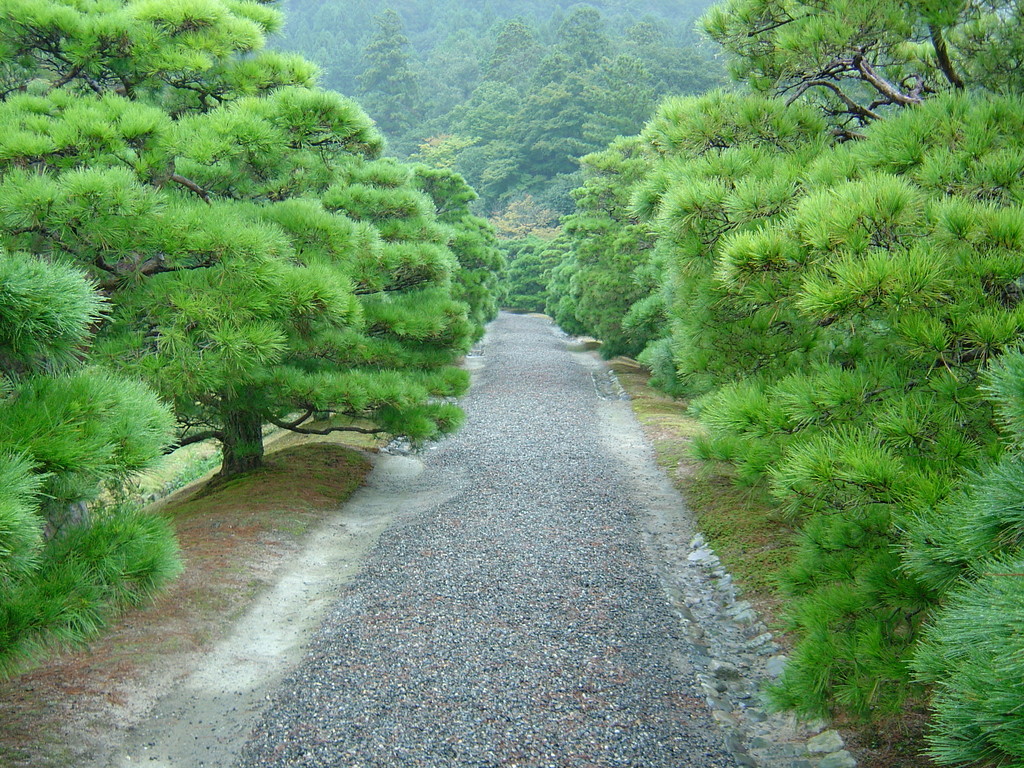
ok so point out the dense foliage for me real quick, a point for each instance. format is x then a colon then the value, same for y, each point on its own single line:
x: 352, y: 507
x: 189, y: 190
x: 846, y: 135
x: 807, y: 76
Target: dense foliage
x: 68, y: 428
x: 530, y: 263
x: 608, y: 284
x: 183, y: 208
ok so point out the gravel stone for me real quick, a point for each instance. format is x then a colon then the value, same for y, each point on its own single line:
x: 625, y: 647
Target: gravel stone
x: 519, y: 621
x: 839, y: 760
x: 723, y: 670
x: 775, y: 666
x: 829, y: 741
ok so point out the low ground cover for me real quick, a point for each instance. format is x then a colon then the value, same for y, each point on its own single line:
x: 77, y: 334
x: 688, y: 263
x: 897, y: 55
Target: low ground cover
x: 233, y: 535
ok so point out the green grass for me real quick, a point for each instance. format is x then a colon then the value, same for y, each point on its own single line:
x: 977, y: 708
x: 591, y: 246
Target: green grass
x: 744, y: 529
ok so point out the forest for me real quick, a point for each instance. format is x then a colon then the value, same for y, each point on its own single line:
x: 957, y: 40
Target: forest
x: 806, y: 219
x: 506, y: 94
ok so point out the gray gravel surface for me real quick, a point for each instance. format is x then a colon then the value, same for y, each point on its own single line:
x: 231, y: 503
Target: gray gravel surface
x: 517, y: 621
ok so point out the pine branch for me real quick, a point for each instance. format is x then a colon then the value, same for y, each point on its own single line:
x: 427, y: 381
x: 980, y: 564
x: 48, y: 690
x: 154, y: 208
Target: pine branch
x: 853, y: 106
x: 845, y: 134
x: 155, y: 265
x: 942, y: 56
x: 327, y: 431
x: 189, y: 184
x: 775, y: 24
x: 401, y: 285
x: 292, y: 426
x: 62, y: 81
x: 199, y: 437
x: 883, y: 86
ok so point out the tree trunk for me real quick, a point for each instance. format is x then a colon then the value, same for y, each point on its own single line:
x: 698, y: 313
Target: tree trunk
x: 63, y: 515
x: 241, y: 442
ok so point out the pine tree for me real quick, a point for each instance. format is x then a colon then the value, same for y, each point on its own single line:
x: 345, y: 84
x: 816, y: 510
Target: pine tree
x: 884, y: 271
x: 728, y: 164
x: 549, y: 124
x: 514, y: 56
x: 473, y: 242
x: 237, y: 289
x: 855, y: 58
x: 608, y: 265
x: 861, y: 60
x: 388, y: 88
x: 972, y: 549
x: 677, y: 67
x: 67, y: 430
x: 582, y: 38
x: 530, y: 264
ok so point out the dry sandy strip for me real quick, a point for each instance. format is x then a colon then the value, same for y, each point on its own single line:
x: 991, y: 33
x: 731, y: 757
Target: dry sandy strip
x: 207, y: 716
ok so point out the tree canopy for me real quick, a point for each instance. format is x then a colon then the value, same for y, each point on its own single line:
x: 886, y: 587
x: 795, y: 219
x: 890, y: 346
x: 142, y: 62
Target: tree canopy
x: 188, y: 216
x: 515, y: 93
x: 257, y: 267
x: 857, y: 60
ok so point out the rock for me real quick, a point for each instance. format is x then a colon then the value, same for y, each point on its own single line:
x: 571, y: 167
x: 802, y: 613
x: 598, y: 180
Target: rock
x: 824, y: 743
x: 723, y: 719
x: 775, y: 666
x: 814, y: 726
x: 698, y: 541
x: 745, y: 618
x: 701, y: 556
x: 760, y: 640
x: 793, y: 750
x: 710, y: 690
x: 738, y: 607
x: 841, y: 759
x: 723, y: 670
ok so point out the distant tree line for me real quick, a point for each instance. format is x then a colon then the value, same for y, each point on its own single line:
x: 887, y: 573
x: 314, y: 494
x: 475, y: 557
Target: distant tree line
x: 509, y: 95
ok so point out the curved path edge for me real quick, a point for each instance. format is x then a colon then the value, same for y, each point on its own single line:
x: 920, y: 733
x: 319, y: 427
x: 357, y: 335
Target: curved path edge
x: 207, y: 717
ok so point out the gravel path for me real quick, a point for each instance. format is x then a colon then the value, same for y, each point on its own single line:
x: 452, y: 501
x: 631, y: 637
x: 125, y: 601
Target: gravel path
x: 516, y: 620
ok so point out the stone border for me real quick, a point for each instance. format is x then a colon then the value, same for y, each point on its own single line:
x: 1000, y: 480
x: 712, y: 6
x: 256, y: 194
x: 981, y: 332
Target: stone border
x: 741, y: 657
